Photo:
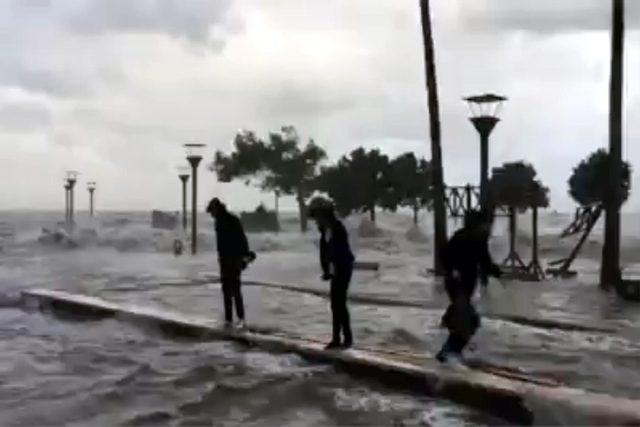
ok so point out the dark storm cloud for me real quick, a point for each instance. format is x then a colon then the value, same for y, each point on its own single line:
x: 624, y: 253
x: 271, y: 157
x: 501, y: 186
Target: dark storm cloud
x: 544, y: 16
x: 23, y: 117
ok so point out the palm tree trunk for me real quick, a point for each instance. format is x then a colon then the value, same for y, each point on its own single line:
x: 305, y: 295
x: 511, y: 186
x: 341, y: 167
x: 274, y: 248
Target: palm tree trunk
x: 610, y: 263
x: 416, y: 208
x: 302, y: 209
x: 276, y: 195
x: 512, y: 230
x: 439, y: 213
x: 534, y: 232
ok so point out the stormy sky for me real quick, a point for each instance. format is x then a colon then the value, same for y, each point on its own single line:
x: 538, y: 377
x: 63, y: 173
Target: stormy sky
x: 113, y: 88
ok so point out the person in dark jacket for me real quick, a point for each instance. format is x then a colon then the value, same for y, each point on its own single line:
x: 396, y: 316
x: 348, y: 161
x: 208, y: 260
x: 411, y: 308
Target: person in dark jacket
x: 465, y: 257
x: 336, y: 260
x: 233, y: 257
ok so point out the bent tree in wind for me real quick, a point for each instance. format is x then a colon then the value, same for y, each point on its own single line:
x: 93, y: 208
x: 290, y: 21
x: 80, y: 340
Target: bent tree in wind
x: 588, y: 182
x: 279, y: 165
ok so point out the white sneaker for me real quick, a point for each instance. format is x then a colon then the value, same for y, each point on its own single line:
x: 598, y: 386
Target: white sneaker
x: 241, y: 324
x: 454, y: 359
x: 457, y: 362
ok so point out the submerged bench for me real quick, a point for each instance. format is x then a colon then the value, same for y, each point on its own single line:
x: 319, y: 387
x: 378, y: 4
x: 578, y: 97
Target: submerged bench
x: 516, y: 401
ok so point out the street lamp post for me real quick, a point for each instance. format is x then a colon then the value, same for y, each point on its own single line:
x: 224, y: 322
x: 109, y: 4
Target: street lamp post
x: 484, y: 116
x: 72, y: 177
x: 183, y: 174
x: 91, y: 186
x: 194, y: 156
x: 66, y: 202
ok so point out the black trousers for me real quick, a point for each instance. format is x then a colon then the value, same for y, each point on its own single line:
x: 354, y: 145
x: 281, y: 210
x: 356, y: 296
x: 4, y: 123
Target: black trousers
x: 455, y: 343
x: 340, y: 312
x: 230, y: 272
x: 461, y: 318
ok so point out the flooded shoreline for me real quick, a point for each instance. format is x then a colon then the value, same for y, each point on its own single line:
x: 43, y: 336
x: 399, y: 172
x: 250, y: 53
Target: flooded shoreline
x: 42, y: 350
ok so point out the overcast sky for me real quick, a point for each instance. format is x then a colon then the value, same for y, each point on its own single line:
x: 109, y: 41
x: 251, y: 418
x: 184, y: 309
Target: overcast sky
x: 112, y: 88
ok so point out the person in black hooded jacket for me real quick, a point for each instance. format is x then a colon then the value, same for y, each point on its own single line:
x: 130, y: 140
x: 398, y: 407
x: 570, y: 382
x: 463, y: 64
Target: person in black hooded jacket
x: 233, y: 257
x: 466, y: 255
x: 336, y: 260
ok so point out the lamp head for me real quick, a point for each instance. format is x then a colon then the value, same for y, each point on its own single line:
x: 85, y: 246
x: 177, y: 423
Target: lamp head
x: 194, y: 153
x: 486, y: 105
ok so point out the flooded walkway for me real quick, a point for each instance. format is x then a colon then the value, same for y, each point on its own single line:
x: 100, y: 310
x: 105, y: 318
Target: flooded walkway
x: 515, y: 400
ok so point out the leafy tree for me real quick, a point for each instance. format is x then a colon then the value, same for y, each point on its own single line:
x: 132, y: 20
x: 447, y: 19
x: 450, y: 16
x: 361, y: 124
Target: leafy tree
x: 539, y: 195
x: 335, y: 180
x: 279, y: 165
x: 514, y: 185
x: 359, y: 182
x: 588, y: 182
x: 293, y: 170
x: 244, y: 162
x: 510, y: 185
x: 411, y: 182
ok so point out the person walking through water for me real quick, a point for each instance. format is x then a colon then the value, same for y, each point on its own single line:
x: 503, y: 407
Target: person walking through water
x: 336, y: 260
x: 233, y: 256
x: 465, y: 256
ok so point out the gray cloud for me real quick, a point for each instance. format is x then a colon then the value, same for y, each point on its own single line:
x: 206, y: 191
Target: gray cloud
x: 42, y: 52
x: 199, y: 21
x: 39, y: 56
x: 33, y: 78
x: 24, y: 117
x: 303, y: 99
x: 124, y: 95
x: 544, y: 16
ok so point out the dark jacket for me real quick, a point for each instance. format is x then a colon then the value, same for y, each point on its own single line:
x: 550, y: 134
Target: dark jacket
x: 468, y: 254
x: 336, y: 250
x: 230, y: 237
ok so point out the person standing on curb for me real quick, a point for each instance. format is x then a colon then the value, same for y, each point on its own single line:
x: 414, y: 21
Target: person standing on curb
x: 234, y: 256
x: 336, y: 260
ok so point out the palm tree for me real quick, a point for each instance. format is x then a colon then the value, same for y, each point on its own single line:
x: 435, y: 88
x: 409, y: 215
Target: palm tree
x: 439, y: 213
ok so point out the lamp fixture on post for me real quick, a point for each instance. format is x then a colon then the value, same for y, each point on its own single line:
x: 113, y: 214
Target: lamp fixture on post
x: 194, y: 157
x: 484, y: 116
x: 91, y: 186
x: 183, y: 174
x: 71, y: 178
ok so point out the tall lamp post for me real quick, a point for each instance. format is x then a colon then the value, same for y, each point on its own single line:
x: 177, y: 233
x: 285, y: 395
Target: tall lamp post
x: 66, y: 202
x: 91, y: 186
x: 194, y: 156
x: 72, y: 178
x: 183, y: 174
x: 484, y: 116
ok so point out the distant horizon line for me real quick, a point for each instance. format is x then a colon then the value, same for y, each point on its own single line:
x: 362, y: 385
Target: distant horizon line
x: 292, y: 210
